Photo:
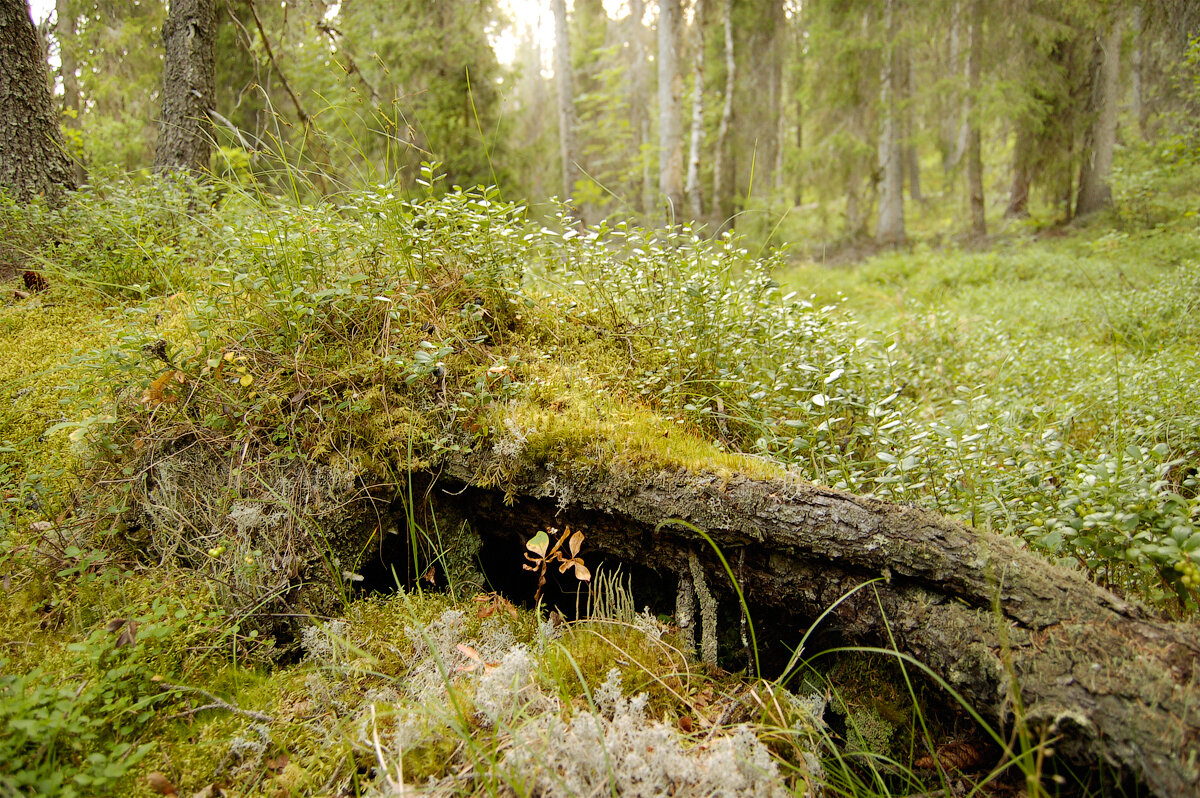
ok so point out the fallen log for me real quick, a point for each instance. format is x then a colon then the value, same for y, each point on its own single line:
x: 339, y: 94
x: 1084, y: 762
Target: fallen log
x: 1111, y: 682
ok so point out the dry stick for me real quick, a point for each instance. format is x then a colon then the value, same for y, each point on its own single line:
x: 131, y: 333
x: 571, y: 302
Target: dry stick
x: 305, y: 118
x: 351, y: 66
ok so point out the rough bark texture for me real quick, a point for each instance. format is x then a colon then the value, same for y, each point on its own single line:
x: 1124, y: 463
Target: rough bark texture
x: 185, y: 131
x: 889, y: 229
x: 670, y: 110
x: 1111, y: 681
x: 1094, y: 191
x: 568, y: 151
x: 33, y: 159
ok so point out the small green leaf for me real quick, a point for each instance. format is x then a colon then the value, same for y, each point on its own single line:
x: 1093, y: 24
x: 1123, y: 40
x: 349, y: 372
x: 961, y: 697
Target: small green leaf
x: 539, y: 543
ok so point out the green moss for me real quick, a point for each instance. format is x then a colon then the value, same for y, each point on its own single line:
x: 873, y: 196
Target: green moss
x: 38, y: 340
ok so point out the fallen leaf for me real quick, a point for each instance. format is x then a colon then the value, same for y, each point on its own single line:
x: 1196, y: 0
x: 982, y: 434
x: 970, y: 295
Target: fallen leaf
x: 211, y: 791
x: 128, y: 635
x: 160, y: 784
x: 278, y: 763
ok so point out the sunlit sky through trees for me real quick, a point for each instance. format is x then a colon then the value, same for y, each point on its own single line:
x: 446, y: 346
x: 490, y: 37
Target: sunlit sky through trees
x: 520, y: 16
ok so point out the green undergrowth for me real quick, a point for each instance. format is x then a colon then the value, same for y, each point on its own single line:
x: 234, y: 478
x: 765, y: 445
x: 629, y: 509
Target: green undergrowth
x: 1046, y: 385
x: 1043, y: 389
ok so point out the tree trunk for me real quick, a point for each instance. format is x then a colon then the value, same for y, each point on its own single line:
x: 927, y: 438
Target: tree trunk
x: 695, y: 198
x: 974, y: 137
x: 566, y: 99
x: 33, y: 158
x: 799, y: 175
x: 670, y: 120
x: 912, y: 158
x: 1107, y: 680
x: 889, y: 230
x: 771, y: 142
x: 640, y: 102
x: 952, y: 106
x: 722, y: 168
x: 1018, y: 194
x: 780, y: 57
x: 68, y: 66
x: 1136, y: 57
x: 1094, y: 191
x: 185, y: 134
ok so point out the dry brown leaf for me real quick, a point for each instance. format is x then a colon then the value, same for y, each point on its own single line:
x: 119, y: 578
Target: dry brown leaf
x: 156, y: 392
x: 278, y: 763
x: 211, y: 791
x: 160, y: 784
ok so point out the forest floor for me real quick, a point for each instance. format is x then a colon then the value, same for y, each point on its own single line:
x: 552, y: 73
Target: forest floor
x: 1043, y: 387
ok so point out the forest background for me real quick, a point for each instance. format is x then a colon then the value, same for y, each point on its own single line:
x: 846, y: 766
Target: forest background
x: 815, y: 123
x: 939, y: 253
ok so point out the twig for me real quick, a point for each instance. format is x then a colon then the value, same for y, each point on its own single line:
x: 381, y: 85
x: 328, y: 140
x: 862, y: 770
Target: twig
x: 217, y: 703
x: 351, y: 66
x: 305, y: 119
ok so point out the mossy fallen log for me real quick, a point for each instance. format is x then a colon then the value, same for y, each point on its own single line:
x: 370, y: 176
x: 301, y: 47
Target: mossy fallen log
x: 1020, y: 639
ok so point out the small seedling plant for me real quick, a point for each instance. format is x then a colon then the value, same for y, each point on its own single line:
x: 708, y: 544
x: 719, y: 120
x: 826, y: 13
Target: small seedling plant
x: 540, y: 556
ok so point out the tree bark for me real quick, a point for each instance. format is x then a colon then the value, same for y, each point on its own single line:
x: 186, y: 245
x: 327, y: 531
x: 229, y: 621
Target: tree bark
x: 912, y: 158
x: 1107, y: 679
x: 952, y: 106
x: 185, y: 134
x: 1094, y: 191
x: 670, y: 111
x: 33, y: 158
x: 695, y: 196
x: 1135, y: 67
x: 722, y: 166
x: 1018, y: 194
x: 566, y: 99
x: 974, y: 137
x: 889, y: 230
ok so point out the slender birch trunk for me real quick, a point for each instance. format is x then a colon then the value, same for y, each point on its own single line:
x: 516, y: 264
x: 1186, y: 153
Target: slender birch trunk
x: 566, y: 99
x: 889, y: 229
x: 670, y: 124
x: 695, y: 197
